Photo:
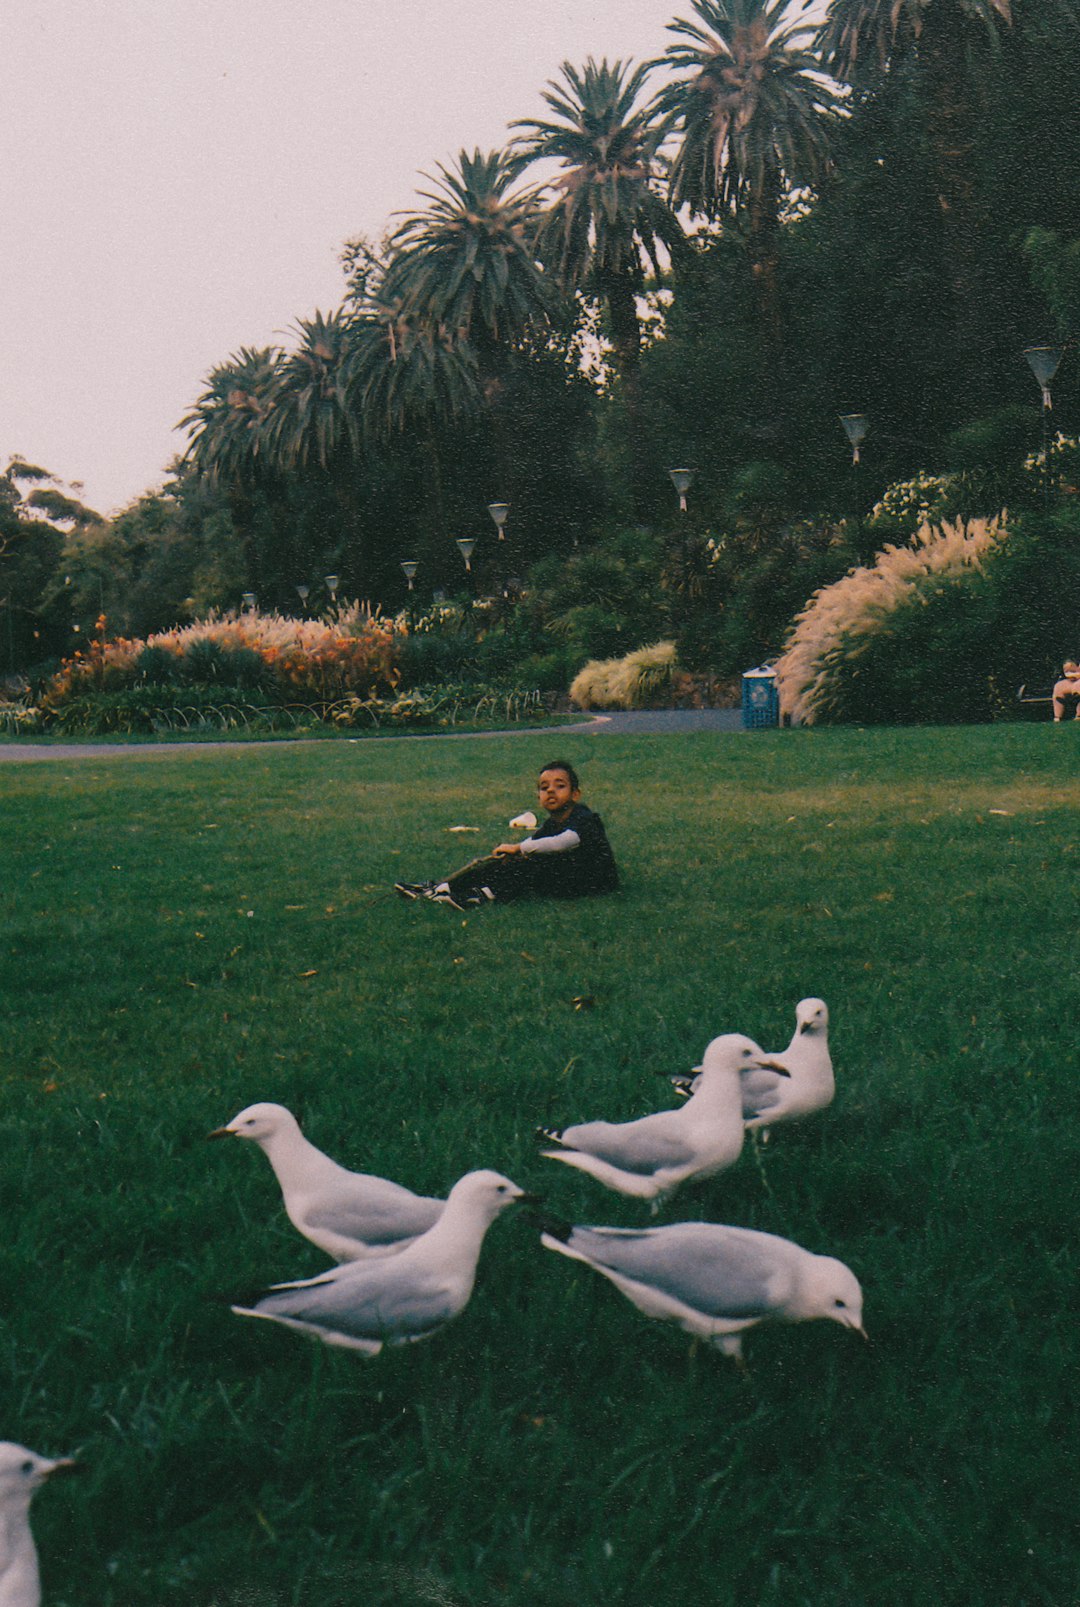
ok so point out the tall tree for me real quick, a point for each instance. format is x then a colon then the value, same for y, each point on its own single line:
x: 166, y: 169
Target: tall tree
x: 229, y: 447
x: 753, y: 116
x: 947, y: 44
x: 605, y: 221
x: 226, y: 427
x: 467, y: 263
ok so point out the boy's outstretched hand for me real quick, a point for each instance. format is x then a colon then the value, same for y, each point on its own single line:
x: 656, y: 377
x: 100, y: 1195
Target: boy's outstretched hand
x: 506, y: 848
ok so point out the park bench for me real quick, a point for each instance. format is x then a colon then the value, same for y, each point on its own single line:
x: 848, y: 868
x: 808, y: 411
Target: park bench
x: 1035, y: 700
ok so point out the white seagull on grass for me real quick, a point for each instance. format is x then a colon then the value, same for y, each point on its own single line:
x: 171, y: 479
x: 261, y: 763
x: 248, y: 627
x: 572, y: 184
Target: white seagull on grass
x: 715, y: 1282
x: 348, y: 1214
x: 650, y: 1157
x: 809, y: 1084
x: 402, y: 1298
x: 22, y: 1472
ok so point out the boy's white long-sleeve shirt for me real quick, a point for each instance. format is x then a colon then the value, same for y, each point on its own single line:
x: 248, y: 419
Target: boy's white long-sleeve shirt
x: 559, y: 844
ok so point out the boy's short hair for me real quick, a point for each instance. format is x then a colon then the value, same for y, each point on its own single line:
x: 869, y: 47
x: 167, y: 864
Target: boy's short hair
x: 561, y: 764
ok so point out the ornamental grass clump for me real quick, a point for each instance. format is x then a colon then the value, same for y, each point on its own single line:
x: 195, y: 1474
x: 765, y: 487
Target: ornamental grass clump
x: 632, y: 682
x: 906, y: 639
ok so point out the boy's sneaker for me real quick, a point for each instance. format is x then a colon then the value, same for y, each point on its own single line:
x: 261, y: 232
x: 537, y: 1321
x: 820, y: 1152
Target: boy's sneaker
x: 439, y: 893
x: 412, y: 890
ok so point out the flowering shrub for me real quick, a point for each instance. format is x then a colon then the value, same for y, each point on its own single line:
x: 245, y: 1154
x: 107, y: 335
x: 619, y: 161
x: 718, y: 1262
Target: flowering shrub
x: 842, y: 658
x: 907, y: 505
x: 1064, y: 455
x: 316, y: 660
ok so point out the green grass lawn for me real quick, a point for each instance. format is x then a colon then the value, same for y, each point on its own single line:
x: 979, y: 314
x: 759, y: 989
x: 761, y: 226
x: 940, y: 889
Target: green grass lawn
x: 186, y: 934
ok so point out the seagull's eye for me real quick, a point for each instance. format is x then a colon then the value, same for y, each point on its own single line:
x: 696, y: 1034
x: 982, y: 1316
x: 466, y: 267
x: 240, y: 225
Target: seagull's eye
x: 841, y: 1303
x: 27, y: 1467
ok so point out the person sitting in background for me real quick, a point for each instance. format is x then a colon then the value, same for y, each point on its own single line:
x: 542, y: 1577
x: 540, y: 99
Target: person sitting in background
x: 1067, y: 691
x: 569, y: 856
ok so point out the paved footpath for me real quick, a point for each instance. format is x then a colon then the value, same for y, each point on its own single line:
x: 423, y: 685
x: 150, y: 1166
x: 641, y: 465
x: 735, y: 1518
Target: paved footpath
x: 637, y: 722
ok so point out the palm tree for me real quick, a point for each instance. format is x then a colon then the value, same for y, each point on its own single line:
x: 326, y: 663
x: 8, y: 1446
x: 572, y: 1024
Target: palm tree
x: 754, y: 117
x: 227, y: 424
x: 312, y: 430
x: 228, y: 448
x: 467, y: 264
x: 605, y: 221
x: 309, y: 424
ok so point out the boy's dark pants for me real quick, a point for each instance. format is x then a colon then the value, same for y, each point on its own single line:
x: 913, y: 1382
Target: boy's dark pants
x: 510, y: 876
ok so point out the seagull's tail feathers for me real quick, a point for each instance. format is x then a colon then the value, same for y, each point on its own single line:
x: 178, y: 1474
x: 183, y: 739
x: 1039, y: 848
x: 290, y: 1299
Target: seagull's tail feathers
x: 551, y: 1135
x: 547, y: 1223
x: 367, y: 1347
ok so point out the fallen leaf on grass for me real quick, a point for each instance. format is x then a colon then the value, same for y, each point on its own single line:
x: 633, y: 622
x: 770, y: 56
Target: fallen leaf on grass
x: 530, y: 957
x: 584, y: 1001
x: 307, y: 973
x: 884, y: 898
x: 188, y: 984
x: 463, y: 828
x: 999, y: 812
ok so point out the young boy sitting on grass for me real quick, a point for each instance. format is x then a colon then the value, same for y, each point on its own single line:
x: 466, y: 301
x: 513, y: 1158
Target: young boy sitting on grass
x: 569, y: 856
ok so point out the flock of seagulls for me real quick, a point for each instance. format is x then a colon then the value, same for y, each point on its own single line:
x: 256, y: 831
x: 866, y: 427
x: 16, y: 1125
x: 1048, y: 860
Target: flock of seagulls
x: 406, y: 1263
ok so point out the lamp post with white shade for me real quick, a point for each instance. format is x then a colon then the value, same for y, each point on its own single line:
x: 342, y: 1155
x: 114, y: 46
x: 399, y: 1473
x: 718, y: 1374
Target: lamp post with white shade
x: 855, y: 428
x: 466, y: 546
x: 680, y: 479
x: 1044, y: 362
x: 499, y: 512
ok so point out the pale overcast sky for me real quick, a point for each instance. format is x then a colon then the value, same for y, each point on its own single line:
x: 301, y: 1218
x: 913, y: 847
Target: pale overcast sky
x: 181, y: 175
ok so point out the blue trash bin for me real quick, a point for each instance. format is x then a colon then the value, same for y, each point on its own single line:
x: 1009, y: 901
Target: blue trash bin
x: 760, y: 699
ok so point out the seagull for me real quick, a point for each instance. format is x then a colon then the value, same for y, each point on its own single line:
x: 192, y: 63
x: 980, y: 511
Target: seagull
x: 348, y: 1214
x: 714, y: 1282
x: 650, y: 1157
x: 398, y: 1299
x: 22, y: 1472
x: 810, y: 1082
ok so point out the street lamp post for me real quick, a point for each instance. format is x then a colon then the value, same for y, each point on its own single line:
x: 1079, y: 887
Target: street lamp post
x: 1043, y: 362
x: 332, y: 582
x: 680, y: 479
x: 855, y: 428
x: 303, y: 592
x: 466, y: 546
x: 409, y: 567
x: 499, y: 511
x: 248, y: 600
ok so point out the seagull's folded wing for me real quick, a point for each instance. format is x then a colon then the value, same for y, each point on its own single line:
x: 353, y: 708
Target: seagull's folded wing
x: 648, y: 1145
x: 762, y: 1091
x: 366, y: 1300
x: 381, y: 1213
x: 718, y: 1271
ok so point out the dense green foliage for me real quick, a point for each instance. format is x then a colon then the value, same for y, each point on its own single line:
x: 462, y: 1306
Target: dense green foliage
x: 188, y: 934
x: 725, y: 250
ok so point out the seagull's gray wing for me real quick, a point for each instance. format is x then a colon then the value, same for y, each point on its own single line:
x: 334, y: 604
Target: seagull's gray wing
x: 721, y: 1272
x: 641, y: 1147
x: 386, y: 1303
x: 761, y: 1091
x: 382, y: 1213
